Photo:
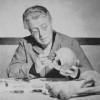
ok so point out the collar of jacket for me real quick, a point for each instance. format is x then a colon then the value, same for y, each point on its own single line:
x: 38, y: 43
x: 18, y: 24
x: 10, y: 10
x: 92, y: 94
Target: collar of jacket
x: 55, y: 44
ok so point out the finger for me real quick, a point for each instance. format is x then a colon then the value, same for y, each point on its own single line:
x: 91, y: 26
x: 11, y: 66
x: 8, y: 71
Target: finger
x: 43, y: 55
x: 41, y: 64
x: 44, y: 62
x: 44, y: 59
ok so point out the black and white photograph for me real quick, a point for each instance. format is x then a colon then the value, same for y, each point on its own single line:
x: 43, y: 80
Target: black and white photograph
x: 49, y: 49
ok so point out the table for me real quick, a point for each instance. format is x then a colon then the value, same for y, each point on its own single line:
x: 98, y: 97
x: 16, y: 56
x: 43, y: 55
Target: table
x: 39, y: 96
x: 5, y: 95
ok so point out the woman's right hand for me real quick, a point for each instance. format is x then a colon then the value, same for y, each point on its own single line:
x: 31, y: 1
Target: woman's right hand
x: 41, y: 62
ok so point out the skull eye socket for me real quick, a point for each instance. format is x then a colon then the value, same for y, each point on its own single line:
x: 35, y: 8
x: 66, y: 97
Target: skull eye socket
x: 58, y: 62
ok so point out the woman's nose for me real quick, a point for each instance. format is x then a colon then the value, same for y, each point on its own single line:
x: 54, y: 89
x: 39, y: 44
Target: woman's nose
x: 41, y: 33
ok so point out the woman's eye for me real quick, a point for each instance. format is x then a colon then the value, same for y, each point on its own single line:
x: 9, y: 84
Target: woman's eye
x: 35, y: 31
x: 44, y: 26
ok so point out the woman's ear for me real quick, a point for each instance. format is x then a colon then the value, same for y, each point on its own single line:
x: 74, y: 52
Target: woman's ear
x: 25, y: 25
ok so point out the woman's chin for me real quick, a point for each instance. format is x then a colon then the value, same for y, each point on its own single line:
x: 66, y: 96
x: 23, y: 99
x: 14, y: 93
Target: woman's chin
x: 45, y: 42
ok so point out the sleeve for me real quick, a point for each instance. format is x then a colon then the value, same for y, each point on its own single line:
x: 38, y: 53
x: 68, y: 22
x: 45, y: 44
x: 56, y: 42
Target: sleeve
x: 19, y: 68
x: 84, y: 62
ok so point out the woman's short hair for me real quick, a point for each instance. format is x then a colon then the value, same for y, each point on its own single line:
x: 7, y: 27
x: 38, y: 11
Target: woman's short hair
x: 37, y: 11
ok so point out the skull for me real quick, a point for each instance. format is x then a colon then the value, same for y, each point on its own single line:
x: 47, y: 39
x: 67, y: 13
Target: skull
x: 64, y: 57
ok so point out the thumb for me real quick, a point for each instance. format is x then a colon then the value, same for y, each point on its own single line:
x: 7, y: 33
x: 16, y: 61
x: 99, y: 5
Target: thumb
x: 43, y: 55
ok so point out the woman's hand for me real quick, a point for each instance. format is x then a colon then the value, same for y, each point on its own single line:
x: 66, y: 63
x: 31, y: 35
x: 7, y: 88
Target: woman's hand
x: 41, y: 62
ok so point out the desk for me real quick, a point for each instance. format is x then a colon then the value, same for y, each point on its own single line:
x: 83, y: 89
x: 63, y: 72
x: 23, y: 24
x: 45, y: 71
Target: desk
x: 24, y: 96
x: 39, y: 96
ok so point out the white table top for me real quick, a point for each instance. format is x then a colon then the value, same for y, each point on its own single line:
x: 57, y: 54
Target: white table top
x: 39, y: 96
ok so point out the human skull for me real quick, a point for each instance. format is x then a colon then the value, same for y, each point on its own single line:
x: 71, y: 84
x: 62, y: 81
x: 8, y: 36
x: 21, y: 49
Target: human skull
x: 64, y: 57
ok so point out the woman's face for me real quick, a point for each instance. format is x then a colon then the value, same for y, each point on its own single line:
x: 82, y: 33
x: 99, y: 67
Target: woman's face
x: 41, y: 29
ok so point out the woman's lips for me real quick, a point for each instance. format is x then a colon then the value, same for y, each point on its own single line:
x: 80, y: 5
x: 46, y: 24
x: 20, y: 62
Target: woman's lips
x: 43, y: 39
